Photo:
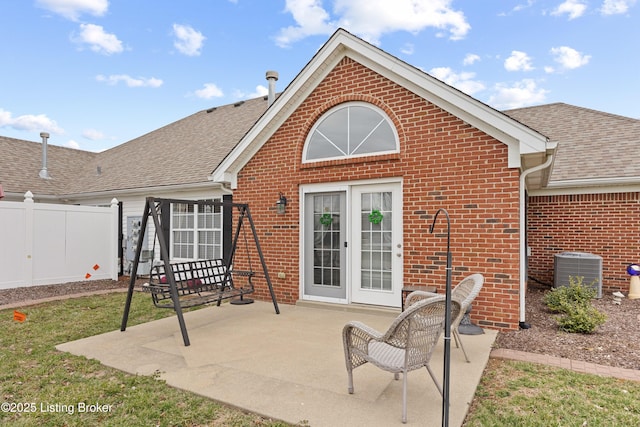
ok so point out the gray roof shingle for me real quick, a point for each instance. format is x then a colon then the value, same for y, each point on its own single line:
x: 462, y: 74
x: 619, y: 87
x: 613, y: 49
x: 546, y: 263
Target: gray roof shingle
x: 21, y: 162
x: 183, y: 152
x: 591, y: 144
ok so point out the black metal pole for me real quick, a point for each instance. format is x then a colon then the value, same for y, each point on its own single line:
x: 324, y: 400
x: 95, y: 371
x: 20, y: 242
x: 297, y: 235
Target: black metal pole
x: 447, y: 323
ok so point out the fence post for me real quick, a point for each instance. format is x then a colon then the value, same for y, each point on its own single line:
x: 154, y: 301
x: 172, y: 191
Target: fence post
x: 113, y: 241
x: 28, y: 237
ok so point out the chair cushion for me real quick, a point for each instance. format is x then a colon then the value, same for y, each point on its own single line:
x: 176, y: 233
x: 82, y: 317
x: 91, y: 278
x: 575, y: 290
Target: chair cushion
x: 386, y: 356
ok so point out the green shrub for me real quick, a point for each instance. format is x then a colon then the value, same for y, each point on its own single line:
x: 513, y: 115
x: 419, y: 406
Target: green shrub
x: 563, y: 299
x: 573, y: 302
x: 583, y: 319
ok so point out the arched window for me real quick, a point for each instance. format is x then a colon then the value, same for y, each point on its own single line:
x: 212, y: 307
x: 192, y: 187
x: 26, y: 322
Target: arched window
x: 349, y: 130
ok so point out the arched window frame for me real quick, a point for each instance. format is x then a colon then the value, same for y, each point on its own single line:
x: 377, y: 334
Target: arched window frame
x: 384, y: 119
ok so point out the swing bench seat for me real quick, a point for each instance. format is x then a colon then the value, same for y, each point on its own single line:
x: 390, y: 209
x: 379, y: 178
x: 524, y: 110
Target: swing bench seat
x: 196, y: 282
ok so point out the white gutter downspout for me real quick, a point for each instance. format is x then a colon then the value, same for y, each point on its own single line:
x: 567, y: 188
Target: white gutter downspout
x: 523, y: 230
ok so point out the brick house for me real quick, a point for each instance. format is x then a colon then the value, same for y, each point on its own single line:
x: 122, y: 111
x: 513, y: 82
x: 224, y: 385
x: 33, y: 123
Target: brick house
x: 591, y: 202
x: 366, y: 149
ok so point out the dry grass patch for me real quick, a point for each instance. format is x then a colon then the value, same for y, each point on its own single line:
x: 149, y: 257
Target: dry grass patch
x: 527, y: 394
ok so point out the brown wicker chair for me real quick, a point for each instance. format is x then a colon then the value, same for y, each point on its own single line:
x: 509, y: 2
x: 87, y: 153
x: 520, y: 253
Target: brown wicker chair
x: 406, y: 346
x: 465, y: 292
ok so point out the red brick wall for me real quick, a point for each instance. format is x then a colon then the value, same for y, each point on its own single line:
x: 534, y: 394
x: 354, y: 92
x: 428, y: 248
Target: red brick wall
x: 603, y: 224
x: 444, y: 163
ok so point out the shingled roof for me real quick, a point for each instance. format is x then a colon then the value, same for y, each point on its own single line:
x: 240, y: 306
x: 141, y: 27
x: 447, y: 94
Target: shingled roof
x: 592, y: 144
x: 21, y: 162
x: 181, y: 153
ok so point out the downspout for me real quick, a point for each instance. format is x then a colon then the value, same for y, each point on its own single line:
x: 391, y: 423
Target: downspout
x: 523, y: 230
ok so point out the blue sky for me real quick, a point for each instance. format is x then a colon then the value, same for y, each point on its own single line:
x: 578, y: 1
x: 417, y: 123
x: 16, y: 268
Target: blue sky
x: 98, y: 73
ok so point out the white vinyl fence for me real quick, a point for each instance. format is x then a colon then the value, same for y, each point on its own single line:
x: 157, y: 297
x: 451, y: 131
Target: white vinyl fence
x: 43, y: 244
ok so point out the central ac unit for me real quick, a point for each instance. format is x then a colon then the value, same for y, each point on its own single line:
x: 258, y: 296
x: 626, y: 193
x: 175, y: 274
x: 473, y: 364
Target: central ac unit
x: 575, y: 264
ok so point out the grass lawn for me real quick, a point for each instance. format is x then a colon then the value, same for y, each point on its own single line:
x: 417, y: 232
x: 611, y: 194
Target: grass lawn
x: 41, y: 386
x: 518, y: 394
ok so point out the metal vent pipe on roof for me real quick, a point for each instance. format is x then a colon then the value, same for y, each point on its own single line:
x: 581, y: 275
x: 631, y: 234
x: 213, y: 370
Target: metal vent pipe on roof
x: 272, y: 78
x: 44, y: 174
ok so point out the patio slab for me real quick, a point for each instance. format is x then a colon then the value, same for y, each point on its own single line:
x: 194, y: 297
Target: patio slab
x: 288, y: 366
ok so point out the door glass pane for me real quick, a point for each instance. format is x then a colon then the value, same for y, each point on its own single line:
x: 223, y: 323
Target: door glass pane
x: 376, y: 239
x: 326, y: 240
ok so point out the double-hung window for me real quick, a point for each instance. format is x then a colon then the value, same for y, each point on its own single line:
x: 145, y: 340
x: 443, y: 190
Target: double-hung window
x: 196, y: 231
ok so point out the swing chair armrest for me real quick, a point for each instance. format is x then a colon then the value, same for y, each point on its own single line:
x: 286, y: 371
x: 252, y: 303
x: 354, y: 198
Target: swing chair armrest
x: 243, y: 273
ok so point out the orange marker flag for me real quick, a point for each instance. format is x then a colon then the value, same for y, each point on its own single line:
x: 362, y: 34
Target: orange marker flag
x: 18, y: 316
x: 86, y: 276
x: 96, y: 267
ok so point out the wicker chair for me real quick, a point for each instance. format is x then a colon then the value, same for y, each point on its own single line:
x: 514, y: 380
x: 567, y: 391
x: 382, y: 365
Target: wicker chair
x: 465, y: 292
x: 406, y: 346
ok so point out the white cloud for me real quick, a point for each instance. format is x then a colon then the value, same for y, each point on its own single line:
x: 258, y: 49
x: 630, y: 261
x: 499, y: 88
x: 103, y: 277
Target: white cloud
x: 189, y: 41
x: 518, y: 61
x: 520, y: 94
x: 72, y: 144
x: 517, y: 8
x: 93, y: 134
x: 568, y: 58
x: 470, y: 59
x: 573, y: 8
x: 520, y: 7
x: 616, y: 7
x: 461, y: 81
x: 98, y: 40
x: 72, y: 9
x: 371, y: 19
x: 258, y: 92
x: 407, y: 49
x: 114, y: 79
x: 210, y: 90
x: 311, y: 19
x: 29, y: 122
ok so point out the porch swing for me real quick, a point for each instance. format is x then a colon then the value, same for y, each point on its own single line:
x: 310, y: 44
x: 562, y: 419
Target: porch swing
x: 179, y: 285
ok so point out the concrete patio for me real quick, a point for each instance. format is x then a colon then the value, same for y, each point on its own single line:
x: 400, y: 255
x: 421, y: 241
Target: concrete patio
x: 288, y: 366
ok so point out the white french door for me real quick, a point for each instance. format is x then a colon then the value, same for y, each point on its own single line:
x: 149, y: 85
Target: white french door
x: 352, y: 244
x: 376, y: 274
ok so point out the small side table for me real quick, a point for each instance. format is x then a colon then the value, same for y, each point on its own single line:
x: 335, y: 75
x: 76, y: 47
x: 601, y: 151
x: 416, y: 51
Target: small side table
x: 406, y: 290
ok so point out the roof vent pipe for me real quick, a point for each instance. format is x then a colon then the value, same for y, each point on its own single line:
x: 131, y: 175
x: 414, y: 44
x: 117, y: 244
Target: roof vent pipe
x: 272, y: 78
x: 44, y: 174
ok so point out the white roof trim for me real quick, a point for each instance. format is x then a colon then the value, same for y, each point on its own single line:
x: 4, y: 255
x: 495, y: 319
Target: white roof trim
x: 519, y: 138
x: 589, y: 186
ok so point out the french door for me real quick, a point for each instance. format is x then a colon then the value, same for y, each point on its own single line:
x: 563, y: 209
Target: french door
x: 352, y: 245
x: 324, y: 246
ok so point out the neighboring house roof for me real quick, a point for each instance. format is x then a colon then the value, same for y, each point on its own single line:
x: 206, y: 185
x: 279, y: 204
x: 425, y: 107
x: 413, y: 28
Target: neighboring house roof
x: 182, y: 154
x: 594, y: 148
x: 521, y: 140
x: 21, y: 162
